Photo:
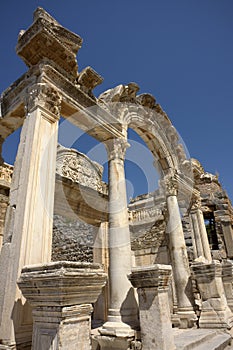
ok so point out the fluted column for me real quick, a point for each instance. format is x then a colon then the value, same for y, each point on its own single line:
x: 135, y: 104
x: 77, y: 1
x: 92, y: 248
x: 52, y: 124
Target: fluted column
x: 179, y: 257
x: 200, y: 233
x: 122, y: 310
x: 28, y: 228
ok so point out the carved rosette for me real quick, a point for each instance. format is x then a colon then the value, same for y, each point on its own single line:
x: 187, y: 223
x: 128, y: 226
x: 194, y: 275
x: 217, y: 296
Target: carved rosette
x: 116, y: 148
x: 170, y: 185
x: 45, y: 96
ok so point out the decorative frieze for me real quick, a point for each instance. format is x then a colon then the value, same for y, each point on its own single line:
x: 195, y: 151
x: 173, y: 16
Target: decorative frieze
x: 144, y: 214
x: 79, y: 168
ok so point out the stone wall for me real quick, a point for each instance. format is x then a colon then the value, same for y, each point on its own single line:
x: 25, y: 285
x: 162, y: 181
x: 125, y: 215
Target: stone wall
x: 73, y: 240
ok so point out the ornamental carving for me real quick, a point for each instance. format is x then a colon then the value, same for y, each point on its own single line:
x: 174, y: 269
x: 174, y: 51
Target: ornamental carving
x: 116, y: 148
x: 45, y: 96
x: 6, y: 172
x: 79, y: 168
x: 170, y: 184
x: 144, y: 214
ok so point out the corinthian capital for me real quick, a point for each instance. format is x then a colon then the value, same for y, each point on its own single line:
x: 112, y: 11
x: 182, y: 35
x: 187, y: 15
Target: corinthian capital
x: 116, y: 148
x: 170, y: 185
x: 196, y: 202
x: 45, y: 96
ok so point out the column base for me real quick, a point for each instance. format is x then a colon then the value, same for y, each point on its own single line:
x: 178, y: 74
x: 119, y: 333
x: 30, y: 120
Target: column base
x: 7, y: 347
x: 187, y: 319
x: 116, y: 329
x: 117, y: 343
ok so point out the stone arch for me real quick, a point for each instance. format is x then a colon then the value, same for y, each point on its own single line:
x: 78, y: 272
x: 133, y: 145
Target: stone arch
x: 146, y: 117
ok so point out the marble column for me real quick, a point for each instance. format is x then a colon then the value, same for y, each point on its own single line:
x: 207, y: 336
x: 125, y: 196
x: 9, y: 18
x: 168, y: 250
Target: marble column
x: 196, y: 233
x: 228, y: 234
x: 200, y: 229
x: 152, y: 284
x: 123, y: 308
x: 215, y: 312
x: 179, y: 257
x: 29, y: 217
x: 61, y: 294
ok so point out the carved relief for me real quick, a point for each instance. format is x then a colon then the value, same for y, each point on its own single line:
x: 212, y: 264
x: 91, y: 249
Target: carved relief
x: 79, y: 168
x: 144, y: 214
x: 44, y: 96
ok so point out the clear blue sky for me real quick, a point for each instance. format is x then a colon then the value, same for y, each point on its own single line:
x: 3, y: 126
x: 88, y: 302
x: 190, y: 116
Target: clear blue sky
x: 181, y: 51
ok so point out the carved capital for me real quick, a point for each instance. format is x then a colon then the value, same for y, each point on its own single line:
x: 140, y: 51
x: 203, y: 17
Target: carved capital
x: 196, y: 202
x: 170, y: 185
x: 45, y: 96
x: 6, y: 172
x: 116, y: 148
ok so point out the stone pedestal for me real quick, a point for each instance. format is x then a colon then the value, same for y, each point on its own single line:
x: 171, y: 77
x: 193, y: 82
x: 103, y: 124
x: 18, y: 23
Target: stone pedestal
x: 215, y: 312
x: 179, y: 257
x: 61, y: 294
x: 155, y: 319
x: 227, y: 278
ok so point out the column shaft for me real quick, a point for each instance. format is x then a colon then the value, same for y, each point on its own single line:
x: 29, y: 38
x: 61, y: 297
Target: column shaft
x: 204, y: 236
x: 197, y: 234
x: 122, y: 303
x: 179, y: 257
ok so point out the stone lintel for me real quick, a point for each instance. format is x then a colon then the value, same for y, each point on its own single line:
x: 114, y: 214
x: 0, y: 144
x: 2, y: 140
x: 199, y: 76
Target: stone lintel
x: 62, y: 283
x: 154, y: 276
x: 77, y: 106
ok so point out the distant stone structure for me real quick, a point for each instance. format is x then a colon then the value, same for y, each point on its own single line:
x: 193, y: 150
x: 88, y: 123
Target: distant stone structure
x: 80, y: 268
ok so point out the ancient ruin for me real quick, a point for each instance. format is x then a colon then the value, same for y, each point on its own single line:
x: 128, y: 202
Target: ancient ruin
x: 80, y: 267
